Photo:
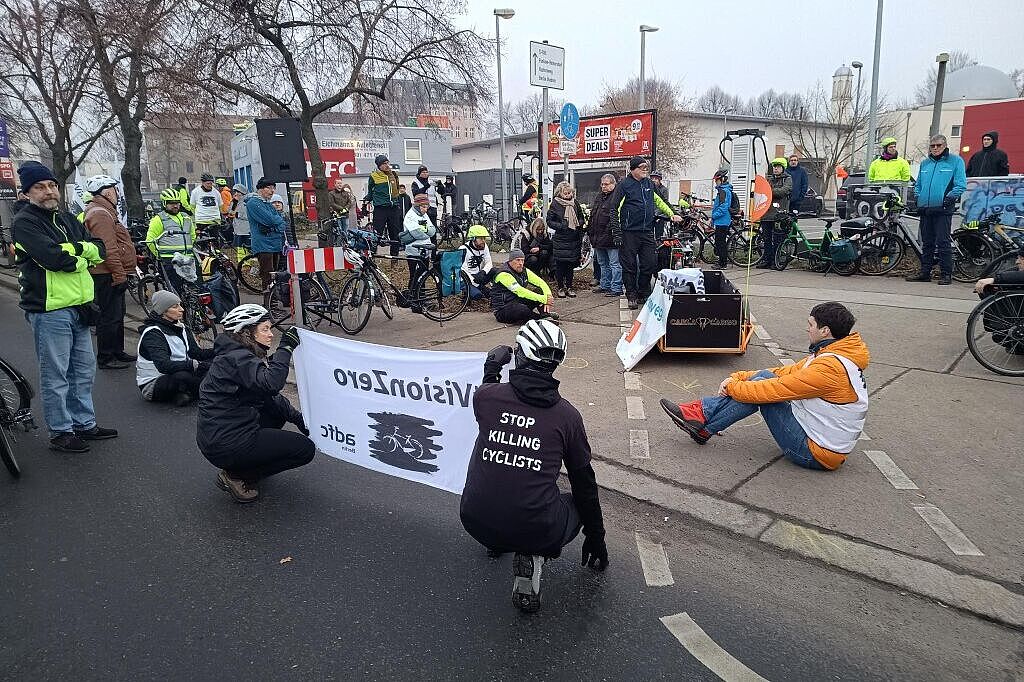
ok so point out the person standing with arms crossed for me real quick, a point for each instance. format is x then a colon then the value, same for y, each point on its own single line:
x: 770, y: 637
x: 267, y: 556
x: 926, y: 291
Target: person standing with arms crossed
x: 382, y: 191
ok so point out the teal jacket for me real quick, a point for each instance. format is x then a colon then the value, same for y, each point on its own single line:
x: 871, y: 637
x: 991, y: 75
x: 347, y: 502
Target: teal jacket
x: 940, y: 182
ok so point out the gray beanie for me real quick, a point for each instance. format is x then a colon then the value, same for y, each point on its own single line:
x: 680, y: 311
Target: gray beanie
x: 516, y: 253
x: 162, y: 300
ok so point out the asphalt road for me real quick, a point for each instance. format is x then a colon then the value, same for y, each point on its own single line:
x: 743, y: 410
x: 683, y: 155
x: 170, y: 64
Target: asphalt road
x: 127, y: 563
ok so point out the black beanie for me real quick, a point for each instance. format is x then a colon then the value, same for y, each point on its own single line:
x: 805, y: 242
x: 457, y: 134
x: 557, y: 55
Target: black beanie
x: 636, y: 162
x: 31, y: 172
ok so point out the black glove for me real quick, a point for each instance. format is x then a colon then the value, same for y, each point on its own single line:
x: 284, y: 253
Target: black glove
x: 498, y: 357
x: 290, y: 340
x: 301, y: 424
x: 949, y: 202
x: 480, y: 278
x: 595, y: 554
x: 121, y: 286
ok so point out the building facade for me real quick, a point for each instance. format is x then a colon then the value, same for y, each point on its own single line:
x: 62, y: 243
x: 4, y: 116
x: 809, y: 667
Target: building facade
x: 176, y: 146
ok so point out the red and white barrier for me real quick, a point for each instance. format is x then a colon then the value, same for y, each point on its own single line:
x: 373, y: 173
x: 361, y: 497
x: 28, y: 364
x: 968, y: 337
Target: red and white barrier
x: 302, y: 261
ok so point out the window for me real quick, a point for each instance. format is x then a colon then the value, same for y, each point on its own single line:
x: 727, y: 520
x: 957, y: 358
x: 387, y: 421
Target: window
x: 190, y: 167
x: 956, y: 131
x: 413, y: 151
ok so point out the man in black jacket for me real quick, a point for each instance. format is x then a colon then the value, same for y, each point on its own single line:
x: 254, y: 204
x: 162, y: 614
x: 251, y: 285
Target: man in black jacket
x: 511, y: 502
x: 989, y: 161
x: 171, y: 364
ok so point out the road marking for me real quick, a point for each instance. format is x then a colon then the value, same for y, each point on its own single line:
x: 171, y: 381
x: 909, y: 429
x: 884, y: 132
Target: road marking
x: 632, y: 380
x: 704, y: 649
x: 625, y: 327
x: 947, y: 531
x: 864, y: 436
x: 890, y: 470
x: 654, y: 562
x: 771, y: 344
x: 639, y: 444
x: 623, y: 304
x: 788, y: 361
x: 635, y: 407
x: 625, y: 316
x: 762, y: 333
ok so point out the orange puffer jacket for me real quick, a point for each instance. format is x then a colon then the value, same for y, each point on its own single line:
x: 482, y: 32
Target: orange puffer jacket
x: 826, y: 379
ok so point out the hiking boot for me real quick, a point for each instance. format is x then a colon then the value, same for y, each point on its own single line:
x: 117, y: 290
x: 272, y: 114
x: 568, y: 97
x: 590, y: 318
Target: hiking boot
x: 688, y: 417
x: 918, y: 278
x: 97, y: 433
x: 112, y: 364
x: 68, y: 442
x: 561, y: 293
x: 125, y: 357
x: 241, y: 490
x: 945, y: 279
x: 633, y: 304
x: 570, y: 292
x: 526, y: 584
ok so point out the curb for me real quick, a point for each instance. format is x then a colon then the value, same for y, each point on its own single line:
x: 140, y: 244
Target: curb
x: 984, y: 598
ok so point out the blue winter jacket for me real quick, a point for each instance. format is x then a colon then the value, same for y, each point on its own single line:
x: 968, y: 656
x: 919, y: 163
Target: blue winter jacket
x: 634, y: 205
x: 799, y: 176
x: 940, y: 182
x: 720, y: 215
x: 265, y: 224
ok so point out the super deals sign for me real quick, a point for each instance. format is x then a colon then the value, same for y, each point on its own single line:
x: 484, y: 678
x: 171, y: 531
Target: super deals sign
x: 403, y: 412
x: 620, y: 136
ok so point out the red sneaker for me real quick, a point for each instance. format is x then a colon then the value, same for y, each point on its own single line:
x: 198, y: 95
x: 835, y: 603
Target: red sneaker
x: 689, y: 417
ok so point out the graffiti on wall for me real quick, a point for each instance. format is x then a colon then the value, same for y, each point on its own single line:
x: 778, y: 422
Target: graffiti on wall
x: 1004, y: 196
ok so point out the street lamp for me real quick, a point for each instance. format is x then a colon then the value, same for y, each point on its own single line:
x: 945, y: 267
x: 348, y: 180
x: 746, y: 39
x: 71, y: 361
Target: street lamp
x: 725, y: 120
x: 873, y: 112
x: 501, y: 14
x: 856, y: 112
x: 644, y: 30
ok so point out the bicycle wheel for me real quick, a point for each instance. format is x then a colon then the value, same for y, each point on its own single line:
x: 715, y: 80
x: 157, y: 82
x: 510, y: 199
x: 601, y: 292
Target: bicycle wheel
x: 429, y: 296
x: 971, y: 255
x: 144, y: 290
x: 200, y: 318
x: 15, y: 396
x: 785, y: 254
x: 880, y: 253
x: 249, y: 274
x: 745, y: 247
x: 586, y: 254
x: 7, y: 451
x: 706, y: 251
x: 995, y: 333
x: 355, y: 304
x: 1004, y: 263
x: 845, y: 269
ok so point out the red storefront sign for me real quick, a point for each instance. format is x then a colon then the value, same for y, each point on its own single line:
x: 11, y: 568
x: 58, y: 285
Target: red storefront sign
x: 7, y: 184
x: 619, y: 136
x: 337, y: 163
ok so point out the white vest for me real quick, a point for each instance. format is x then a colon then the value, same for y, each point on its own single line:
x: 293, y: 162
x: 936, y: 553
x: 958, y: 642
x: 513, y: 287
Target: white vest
x: 834, y: 427
x: 145, y: 370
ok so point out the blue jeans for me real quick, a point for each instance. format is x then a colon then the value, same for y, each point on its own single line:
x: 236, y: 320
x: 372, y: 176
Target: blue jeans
x: 722, y: 413
x: 67, y: 368
x: 611, y: 269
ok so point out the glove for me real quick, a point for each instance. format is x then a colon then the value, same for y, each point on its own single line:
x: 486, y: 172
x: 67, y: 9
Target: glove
x: 949, y: 202
x: 498, y: 357
x: 595, y: 553
x: 301, y: 424
x: 290, y: 340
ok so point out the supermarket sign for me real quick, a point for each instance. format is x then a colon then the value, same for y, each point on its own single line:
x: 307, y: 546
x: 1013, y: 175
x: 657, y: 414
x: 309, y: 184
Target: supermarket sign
x: 618, y: 136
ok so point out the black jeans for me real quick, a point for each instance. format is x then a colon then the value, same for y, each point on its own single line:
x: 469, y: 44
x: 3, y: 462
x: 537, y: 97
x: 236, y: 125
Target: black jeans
x: 722, y: 244
x: 563, y: 273
x: 935, y: 231
x: 597, y: 269
x: 110, y: 325
x: 387, y: 222
x: 639, y: 261
x: 276, y: 450
x: 773, y: 233
x: 568, y: 518
x: 518, y: 313
x: 168, y: 386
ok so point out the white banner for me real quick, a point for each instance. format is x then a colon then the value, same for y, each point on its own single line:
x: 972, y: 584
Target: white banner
x: 400, y: 411
x: 648, y: 327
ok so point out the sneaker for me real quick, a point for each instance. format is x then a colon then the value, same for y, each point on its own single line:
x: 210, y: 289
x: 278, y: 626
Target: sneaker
x: 764, y: 265
x: 599, y: 290
x: 68, y: 442
x: 918, y: 278
x: 97, y: 433
x: 241, y: 490
x: 595, y: 282
x: 689, y: 417
x: 570, y: 292
x: 112, y: 364
x: 526, y: 584
x: 126, y: 357
x: 945, y: 279
x: 548, y: 316
x: 633, y: 305
x: 561, y: 293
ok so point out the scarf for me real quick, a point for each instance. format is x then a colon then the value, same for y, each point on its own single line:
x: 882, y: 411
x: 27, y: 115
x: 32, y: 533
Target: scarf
x: 571, y: 219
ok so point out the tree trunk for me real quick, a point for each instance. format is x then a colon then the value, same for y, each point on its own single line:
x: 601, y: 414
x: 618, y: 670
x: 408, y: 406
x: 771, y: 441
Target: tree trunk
x: 316, y: 164
x: 131, y: 172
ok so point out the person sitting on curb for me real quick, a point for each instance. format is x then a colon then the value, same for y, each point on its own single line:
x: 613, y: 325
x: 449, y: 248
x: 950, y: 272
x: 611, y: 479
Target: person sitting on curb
x: 477, y: 263
x: 171, y: 363
x: 814, y: 409
x: 511, y: 300
x: 983, y: 287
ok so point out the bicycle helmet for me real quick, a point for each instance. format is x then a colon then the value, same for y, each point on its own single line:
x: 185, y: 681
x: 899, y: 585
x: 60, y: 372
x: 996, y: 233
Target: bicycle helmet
x: 779, y: 161
x: 222, y: 182
x: 528, y: 178
x: 540, y: 341
x: 886, y: 141
x: 169, y: 195
x: 240, y: 188
x: 722, y: 175
x: 245, y: 315
x: 206, y: 177
x: 477, y: 231
x: 656, y: 174
x: 98, y: 183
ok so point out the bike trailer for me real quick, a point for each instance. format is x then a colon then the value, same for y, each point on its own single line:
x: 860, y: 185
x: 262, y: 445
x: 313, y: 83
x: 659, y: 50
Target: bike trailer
x: 717, y: 320
x: 451, y: 266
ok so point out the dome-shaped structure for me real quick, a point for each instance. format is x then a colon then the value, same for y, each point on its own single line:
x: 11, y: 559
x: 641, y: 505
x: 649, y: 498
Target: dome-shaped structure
x: 978, y: 83
x: 843, y: 70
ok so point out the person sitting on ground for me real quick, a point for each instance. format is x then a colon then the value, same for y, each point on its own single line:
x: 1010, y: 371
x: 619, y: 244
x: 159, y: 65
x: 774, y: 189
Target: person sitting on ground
x: 814, y: 409
x: 512, y: 301
x: 417, y: 237
x: 477, y: 262
x: 511, y: 502
x: 565, y: 217
x: 241, y: 409
x: 538, y: 247
x: 171, y: 363
x: 984, y: 286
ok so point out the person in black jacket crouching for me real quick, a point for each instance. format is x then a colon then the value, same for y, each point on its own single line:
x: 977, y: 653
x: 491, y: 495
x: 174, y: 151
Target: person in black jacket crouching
x: 511, y: 502
x: 241, y: 409
x: 171, y: 364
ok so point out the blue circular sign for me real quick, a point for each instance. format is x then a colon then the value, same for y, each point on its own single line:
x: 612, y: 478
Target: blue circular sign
x: 570, y: 121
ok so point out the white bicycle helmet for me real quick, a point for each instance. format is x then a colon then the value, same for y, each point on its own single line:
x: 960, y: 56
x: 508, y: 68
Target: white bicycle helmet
x: 98, y: 183
x: 243, y: 316
x: 541, y: 341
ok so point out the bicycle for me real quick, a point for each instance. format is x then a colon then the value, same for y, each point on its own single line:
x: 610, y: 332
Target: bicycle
x: 7, y: 255
x: 407, y: 445
x: 745, y: 244
x: 818, y: 253
x: 995, y: 331
x: 15, y: 402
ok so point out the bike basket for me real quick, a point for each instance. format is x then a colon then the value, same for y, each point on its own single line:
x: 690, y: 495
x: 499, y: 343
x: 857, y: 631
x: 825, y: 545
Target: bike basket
x: 451, y: 266
x: 843, y: 251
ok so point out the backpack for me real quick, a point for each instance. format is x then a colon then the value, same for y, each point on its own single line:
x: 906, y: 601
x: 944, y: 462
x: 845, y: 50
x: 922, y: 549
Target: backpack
x: 734, y: 206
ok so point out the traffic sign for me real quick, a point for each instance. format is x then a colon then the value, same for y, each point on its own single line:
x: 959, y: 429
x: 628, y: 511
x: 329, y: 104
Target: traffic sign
x: 568, y: 147
x: 547, y: 66
x: 570, y: 121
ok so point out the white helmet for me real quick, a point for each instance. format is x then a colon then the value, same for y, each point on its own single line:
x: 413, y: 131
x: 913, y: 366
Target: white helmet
x: 541, y: 341
x: 244, y: 316
x: 98, y: 183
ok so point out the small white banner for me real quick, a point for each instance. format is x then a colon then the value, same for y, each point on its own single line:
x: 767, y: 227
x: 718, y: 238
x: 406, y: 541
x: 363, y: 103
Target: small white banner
x: 400, y: 411
x: 648, y: 327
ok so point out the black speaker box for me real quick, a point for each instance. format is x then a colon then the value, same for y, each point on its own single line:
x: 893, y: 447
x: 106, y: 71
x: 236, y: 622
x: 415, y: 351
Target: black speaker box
x: 281, y: 149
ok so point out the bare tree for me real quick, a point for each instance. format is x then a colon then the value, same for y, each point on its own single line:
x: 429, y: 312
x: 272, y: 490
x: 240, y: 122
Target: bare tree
x: 523, y: 116
x: 47, y: 87
x: 1017, y: 76
x: 300, y: 59
x: 678, y: 138
x: 924, y: 93
x: 715, y: 100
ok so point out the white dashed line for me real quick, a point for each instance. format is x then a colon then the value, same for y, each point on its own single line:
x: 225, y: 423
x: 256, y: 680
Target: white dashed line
x: 704, y: 649
x: 625, y: 316
x: 788, y: 361
x: 761, y: 332
x: 623, y: 303
x: 890, y: 470
x: 654, y: 561
x: 639, y: 444
x: 632, y: 380
x: 947, y: 531
x: 864, y: 436
x: 635, y: 407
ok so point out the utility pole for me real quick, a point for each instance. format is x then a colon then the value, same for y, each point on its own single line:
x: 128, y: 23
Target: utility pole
x: 873, y: 118
x: 940, y: 84
x: 500, y: 14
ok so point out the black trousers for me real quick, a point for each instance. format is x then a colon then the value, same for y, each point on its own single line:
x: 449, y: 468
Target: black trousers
x: 110, y: 324
x: 935, y: 234
x: 276, y: 450
x: 537, y: 263
x: 639, y: 260
x: 168, y: 386
x: 773, y: 233
x: 563, y: 273
x: 518, y: 313
x: 568, y: 526
x: 722, y: 244
x: 387, y: 222
x: 596, y: 264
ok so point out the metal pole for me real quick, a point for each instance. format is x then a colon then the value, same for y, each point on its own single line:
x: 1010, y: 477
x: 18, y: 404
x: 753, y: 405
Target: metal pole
x: 643, y: 50
x: 856, y: 120
x: 873, y: 118
x: 906, y: 136
x: 501, y: 122
x: 940, y: 84
x: 544, y: 139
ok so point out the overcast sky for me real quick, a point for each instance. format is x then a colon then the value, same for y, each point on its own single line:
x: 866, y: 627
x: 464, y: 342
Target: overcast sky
x: 747, y: 46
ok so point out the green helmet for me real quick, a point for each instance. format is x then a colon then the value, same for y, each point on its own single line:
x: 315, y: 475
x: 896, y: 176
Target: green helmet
x: 886, y: 141
x: 779, y: 161
x: 478, y: 231
x: 222, y: 182
x: 169, y: 195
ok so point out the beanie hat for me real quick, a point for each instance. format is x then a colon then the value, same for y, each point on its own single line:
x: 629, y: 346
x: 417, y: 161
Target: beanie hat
x: 421, y: 198
x: 161, y: 301
x: 32, y: 172
x: 636, y: 162
x: 516, y: 253
x: 263, y: 182
x: 381, y: 158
